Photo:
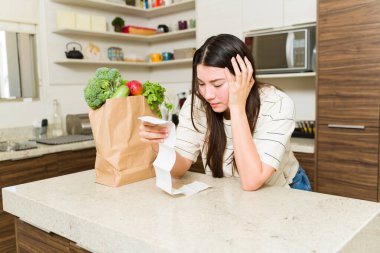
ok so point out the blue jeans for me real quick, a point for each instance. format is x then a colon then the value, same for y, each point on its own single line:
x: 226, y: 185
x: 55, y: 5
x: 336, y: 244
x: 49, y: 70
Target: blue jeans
x: 301, y: 181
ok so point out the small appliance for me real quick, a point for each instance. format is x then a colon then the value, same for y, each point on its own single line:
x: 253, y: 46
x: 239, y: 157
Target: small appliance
x: 285, y: 50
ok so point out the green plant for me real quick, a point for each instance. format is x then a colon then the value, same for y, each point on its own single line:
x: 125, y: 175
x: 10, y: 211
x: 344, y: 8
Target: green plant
x: 154, y: 94
x: 118, y: 21
x: 102, y: 86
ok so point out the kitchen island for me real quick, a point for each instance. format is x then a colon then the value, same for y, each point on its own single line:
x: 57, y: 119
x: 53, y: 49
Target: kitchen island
x: 142, y: 218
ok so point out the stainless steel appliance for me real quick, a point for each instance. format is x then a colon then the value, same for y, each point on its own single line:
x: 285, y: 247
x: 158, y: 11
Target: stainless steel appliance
x: 78, y: 124
x: 288, y: 50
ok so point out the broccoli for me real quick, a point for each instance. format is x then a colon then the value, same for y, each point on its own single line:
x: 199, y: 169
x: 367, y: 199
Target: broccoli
x: 102, y: 86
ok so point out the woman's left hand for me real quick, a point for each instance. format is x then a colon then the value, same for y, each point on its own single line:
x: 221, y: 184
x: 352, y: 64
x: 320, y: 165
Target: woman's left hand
x: 239, y: 85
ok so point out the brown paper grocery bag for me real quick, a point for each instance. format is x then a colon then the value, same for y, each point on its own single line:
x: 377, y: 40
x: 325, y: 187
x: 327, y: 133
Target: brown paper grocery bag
x: 121, y: 157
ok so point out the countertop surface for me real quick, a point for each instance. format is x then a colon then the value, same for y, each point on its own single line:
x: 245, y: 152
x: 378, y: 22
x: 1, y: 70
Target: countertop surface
x: 297, y: 145
x: 140, y: 217
x: 43, y: 149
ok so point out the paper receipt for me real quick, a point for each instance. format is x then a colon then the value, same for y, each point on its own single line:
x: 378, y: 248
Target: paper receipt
x: 165, y: 161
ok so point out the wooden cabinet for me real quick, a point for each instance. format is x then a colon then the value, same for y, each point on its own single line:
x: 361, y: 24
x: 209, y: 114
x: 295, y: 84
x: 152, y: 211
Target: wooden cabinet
x: 15, y: 172
x: 307, y: 162
x: 348, y: 98
x: 7, y: 233
x: 348, y: 162
x: 31, y: 239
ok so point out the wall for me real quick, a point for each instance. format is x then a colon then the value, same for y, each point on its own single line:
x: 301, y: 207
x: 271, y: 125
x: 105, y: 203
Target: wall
x: 66, y: 83
x: 23, y: 16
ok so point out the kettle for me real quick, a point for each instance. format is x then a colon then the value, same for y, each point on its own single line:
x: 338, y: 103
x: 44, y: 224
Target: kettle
x: 73, y: 54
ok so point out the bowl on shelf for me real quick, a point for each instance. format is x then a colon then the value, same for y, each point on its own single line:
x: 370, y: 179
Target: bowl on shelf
x: 115, y: 54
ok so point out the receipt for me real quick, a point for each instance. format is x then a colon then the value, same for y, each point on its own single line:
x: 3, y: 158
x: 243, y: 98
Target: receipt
x: 165, y: 161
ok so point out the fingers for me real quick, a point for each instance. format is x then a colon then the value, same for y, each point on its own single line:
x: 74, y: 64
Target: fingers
x: 236, y: 70
x: 152, y: 133
x: 243, y: 70
x: 250, y: 70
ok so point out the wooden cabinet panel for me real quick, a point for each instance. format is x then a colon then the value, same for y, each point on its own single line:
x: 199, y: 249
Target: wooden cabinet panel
x: 76, y: 249
x: 25, y: 170
x: 347, y: 162
x: 33, y: 169
x: 31, y: 239
x: 307, y: 162
x: 75, y: 161
x: 348, y: 62
x: 7, y: 233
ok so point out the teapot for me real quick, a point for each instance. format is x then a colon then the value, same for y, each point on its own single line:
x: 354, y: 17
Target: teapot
x: 74, y: 54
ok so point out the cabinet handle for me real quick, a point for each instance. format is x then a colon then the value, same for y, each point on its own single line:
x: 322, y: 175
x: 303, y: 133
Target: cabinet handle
x: 346, y: 126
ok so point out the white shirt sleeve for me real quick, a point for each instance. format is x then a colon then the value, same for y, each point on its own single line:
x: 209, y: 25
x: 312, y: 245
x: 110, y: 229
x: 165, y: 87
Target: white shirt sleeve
x: 187, y: 139
x: 274, y: 128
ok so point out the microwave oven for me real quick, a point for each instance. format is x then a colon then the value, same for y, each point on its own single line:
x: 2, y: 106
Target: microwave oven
x: 283, y: 51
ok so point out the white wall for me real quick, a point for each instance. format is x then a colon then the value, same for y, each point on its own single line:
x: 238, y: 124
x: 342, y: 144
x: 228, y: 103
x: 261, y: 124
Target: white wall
x: 66, y: 83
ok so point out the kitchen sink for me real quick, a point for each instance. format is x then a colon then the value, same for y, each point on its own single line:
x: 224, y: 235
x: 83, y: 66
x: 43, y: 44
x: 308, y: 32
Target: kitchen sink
x: 6, y: 146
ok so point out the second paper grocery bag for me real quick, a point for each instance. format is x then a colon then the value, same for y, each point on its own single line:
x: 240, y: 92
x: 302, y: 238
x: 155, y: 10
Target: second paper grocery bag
x: 121, y: 157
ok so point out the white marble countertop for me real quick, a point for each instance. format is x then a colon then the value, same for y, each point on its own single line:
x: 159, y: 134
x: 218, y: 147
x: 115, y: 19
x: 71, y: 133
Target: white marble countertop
x: 297, y: 145
x: 140, y: 217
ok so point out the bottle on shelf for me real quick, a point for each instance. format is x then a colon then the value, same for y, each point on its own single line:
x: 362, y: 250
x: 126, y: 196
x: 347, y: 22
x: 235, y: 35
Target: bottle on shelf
x: 56, y: 120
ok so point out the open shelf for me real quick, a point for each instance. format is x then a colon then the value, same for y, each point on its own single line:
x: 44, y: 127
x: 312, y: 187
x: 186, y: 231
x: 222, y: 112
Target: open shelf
x: 188, y: 33
x: 285, y: 75
x: 120, y: 63
x: 131, y: 10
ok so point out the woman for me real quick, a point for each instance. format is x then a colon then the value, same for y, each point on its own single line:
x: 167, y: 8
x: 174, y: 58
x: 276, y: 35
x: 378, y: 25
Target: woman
x: 240, y: 126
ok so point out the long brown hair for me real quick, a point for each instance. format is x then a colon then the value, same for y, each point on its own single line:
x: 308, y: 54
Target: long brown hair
x: 217, y: 51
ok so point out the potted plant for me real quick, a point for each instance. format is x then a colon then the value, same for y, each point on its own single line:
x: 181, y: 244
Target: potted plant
x: 118, y: 24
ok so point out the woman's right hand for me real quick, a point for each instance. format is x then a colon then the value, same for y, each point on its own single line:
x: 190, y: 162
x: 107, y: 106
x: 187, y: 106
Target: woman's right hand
x: 151, y: 133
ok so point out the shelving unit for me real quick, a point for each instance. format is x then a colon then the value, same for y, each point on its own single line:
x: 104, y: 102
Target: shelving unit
x: 120, y: 63
x: 130, y: 10
x: 125, y: 37
x: 188, y: 33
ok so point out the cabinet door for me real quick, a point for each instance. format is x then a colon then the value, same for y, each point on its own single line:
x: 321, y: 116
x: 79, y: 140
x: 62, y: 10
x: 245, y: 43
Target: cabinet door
x: 32, y: 239
x: 7, y: 233
x: 307, y: 162
x: 259, y: 14
x: 25, y: 170
x: 215, y: 17
x: 75, y: 161
x: 299, y: 11
x: 347, y: 162
x: 348, y: 62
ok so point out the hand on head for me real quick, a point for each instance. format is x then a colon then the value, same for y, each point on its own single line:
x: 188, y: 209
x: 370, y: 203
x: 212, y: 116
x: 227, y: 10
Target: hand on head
x: 239, y: 85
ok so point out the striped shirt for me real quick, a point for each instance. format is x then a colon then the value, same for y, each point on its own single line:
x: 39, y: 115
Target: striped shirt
x: 271, y: 136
